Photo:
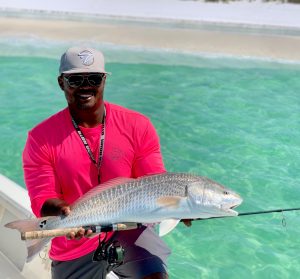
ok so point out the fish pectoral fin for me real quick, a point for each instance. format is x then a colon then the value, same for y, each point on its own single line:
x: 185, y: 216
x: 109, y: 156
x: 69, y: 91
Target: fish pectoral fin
x: 172, y: 202
x: 167, y: 225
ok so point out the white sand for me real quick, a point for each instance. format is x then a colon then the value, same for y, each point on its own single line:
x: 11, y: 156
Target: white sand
x: 273, y: 16
x: 244, y: 12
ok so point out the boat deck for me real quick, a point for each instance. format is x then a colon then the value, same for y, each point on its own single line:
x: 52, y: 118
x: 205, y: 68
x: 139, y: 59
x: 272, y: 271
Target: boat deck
x: 14, y: 205
x: 8, y: 269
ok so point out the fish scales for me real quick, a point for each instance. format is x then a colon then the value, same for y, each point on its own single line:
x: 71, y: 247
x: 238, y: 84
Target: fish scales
x: 163, y: 198
x: 128, y: 199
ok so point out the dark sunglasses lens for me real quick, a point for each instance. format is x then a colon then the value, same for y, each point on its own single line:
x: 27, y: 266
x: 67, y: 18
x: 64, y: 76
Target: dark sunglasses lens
x: 95, y: 80
x: 75, y: 81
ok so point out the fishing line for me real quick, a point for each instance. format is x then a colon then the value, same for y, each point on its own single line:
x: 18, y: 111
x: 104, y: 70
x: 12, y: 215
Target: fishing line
x: 283, y: 221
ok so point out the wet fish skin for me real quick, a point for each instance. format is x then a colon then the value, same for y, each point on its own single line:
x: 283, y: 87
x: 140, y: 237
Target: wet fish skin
x: 151, y: 199
x: 164, y: 198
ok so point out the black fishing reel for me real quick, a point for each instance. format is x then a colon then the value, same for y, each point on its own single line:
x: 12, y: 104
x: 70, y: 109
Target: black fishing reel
x: 112, y: 252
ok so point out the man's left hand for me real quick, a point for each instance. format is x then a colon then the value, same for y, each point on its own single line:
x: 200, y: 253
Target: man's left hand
x: 187, y: 222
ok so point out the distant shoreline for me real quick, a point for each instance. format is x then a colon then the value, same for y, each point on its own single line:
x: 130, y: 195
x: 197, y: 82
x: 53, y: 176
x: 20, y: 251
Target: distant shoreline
x: 282, y: 43
x: 151, y: 21
x: 255, y: 12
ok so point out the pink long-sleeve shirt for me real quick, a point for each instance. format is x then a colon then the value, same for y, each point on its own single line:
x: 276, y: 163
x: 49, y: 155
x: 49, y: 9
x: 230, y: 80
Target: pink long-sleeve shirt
x: 57, y: 165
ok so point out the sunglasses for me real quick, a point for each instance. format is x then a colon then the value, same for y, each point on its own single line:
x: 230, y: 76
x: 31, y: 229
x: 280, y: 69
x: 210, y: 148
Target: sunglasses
x: 77, y: 80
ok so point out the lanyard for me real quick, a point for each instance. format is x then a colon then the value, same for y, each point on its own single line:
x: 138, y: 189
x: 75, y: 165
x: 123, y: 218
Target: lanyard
x: 87, y: 147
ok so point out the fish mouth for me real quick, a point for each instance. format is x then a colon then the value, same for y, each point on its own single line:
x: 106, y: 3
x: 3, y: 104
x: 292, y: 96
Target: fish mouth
x: 232, y: 211
x: 230, y: 208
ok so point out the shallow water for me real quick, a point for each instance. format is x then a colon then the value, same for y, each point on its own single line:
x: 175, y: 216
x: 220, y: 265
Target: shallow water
x: 233, y: 120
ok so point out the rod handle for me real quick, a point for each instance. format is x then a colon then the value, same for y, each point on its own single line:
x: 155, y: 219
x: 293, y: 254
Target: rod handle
x: 64, y: 231
x: 47, y: 233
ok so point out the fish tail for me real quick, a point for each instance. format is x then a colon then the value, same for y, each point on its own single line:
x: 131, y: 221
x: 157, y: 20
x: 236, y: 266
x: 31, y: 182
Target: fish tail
x: 33, y: 246
x: 25, y: 225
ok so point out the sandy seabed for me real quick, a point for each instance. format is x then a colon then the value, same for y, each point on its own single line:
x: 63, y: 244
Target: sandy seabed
x: 178, y: 33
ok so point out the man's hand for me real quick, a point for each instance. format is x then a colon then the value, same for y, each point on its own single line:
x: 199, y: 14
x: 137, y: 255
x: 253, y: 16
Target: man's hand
x: 81, y: 233
x: 57, y: 207
x: 187, y: 222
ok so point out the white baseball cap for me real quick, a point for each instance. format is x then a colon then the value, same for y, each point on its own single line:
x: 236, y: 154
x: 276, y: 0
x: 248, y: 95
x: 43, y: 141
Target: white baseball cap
x: 82, y: 60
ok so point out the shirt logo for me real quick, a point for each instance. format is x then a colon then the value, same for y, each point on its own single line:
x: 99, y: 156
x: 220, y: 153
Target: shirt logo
x: 86, y: 57
x: 116, y: 154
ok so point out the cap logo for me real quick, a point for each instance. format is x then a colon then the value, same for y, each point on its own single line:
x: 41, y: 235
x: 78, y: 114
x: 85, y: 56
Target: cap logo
x: 86, y: 57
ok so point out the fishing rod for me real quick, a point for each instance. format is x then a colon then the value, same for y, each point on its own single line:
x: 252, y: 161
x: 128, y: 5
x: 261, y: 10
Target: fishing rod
x: 269, y: 211
x: 130, y: 226
x: 281, y: 210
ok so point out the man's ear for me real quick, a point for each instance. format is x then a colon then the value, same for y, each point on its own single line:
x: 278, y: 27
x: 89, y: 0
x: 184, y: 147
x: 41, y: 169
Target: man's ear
x: 104, y: 80
x: 60, y: 81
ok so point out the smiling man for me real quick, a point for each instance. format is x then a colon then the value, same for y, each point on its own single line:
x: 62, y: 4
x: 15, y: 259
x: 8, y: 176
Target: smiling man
x: 87, y: 143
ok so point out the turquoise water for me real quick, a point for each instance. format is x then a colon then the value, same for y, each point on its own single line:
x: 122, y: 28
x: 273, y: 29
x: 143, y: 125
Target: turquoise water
x: 233, y: 120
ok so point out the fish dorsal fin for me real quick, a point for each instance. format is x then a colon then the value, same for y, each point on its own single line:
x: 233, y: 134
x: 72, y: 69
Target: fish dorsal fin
x: 102, y: 187
x: 169, y: 201
x: 167, y: 225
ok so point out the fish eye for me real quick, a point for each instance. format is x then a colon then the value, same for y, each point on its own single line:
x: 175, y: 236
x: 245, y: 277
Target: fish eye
x: 226, y: 193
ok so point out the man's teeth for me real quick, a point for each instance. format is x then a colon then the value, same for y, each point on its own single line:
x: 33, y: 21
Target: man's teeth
x: 85, y: 96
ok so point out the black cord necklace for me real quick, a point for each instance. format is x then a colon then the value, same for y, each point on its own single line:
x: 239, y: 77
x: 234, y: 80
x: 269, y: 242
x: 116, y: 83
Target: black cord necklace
x: 87, y: 147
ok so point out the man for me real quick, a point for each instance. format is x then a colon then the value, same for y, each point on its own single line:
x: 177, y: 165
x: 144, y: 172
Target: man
x: 87, y: 143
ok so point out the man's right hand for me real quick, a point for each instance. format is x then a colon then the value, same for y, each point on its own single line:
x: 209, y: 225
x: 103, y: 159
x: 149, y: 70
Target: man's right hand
x: 81, y: 233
